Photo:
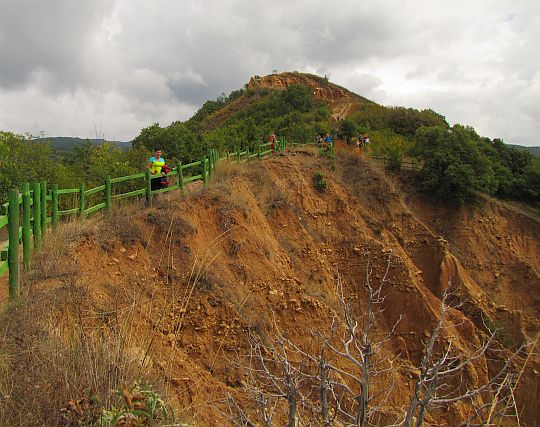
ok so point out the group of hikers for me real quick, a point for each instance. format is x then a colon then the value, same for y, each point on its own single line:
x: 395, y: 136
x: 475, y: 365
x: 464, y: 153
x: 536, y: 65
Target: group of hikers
x: 327, y: 141
x: 156, y: 163
x: 362, y: 141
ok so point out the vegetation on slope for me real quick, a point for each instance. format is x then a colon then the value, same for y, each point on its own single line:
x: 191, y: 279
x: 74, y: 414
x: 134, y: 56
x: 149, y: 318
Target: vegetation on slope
x: 457, y: 162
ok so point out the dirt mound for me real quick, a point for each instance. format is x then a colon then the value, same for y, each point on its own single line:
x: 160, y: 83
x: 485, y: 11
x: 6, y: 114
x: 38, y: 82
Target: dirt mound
x: 263, y: 248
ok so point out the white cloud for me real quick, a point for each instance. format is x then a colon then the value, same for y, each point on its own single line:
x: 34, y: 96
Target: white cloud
x: 134, y: 62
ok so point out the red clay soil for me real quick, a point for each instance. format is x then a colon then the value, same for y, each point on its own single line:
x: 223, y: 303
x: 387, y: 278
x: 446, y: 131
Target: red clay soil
x: 264, y: 249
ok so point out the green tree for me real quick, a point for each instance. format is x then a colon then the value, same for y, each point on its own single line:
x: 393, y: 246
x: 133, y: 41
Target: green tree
x: 453, y: 166
x: 347, y: 129
x: 299, y: 97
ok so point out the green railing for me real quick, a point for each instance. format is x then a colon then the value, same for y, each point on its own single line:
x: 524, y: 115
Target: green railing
x: 405, y: 164
x: 28, y: 212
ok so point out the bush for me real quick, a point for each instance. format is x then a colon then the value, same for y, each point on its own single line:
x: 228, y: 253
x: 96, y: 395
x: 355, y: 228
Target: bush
x: 453, y: 166
x: 347, y: 129
x: 141, y: 406
x: 319, y: 180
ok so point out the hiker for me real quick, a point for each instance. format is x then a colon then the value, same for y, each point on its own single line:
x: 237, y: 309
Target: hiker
x: 272, y: 141
x: 156, y: 164
x: 360, y: 140
x: 366, y: 139
x: 319, y: 140
x: 328, y: 140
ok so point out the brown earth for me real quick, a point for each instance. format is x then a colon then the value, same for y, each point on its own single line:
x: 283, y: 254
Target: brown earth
x: 341, y: 101
x: 262, y: 249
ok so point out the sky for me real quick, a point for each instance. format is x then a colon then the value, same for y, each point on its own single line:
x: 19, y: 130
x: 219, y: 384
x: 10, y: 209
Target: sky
x: 108, y: 68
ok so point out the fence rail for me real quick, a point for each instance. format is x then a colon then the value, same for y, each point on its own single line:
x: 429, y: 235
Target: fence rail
x: 30, y: 210
x: 404, y: 164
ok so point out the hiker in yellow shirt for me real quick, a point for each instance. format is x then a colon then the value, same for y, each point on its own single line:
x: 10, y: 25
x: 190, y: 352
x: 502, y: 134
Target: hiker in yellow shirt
x: 155, y: 164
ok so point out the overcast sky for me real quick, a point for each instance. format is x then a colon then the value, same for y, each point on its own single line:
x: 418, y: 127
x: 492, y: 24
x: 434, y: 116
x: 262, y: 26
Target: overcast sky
x: 111, y: 67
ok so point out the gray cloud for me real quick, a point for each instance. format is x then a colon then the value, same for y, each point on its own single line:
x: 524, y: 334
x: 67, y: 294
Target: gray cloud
x: 129, y: 63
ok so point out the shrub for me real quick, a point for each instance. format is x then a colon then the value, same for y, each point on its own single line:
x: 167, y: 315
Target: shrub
x: 319, y: 180
x: 141, y: 406
x: 453, y: 166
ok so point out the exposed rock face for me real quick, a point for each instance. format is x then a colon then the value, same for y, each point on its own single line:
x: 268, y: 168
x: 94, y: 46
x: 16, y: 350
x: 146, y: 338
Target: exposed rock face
x: 265, y: 249
x: 322, y: 89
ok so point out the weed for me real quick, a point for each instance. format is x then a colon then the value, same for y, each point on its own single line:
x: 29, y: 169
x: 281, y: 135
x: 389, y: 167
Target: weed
x: 319, y: 180
x: 501, y: 332
x: 328, y: 152
x: 141, y: 406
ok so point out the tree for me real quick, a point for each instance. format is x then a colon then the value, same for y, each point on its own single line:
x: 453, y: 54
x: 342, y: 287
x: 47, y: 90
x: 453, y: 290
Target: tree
x: 443, y: 377
x: 299, y: 97
x: 347, y: 129
x: 453, y: 166
x: 332, y: 384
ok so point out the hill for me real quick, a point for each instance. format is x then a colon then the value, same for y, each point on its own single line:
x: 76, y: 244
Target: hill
x: 186, y: 294
x: 68, y: 143
x: 535, y: 151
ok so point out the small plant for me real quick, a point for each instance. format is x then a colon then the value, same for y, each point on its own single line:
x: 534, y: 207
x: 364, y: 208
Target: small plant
x: 330, y: 153
x: 141, y: 406
x: 319, y: 180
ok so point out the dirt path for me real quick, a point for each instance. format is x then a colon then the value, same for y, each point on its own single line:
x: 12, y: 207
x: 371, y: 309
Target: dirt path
x: 343, y: 112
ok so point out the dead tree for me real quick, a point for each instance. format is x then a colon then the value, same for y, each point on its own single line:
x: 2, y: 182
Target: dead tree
x: 327, y: 390
x: 273, y: 379
x: 442, y: 372
x: 361, y: 347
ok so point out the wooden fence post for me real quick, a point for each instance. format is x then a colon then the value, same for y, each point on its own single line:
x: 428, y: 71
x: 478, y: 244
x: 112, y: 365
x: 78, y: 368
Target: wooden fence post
x: 259, y: 151
x: 13, y: 249
x: 238, y: 154
x: 205, y: 173
x: 81, y: 200
x: 148, y: 188
x: 43, y: 209
x: 247, y: 153
x: 181, y: 177
x: 27, y: 214
x: 108, y: 196
x: 36, y: 211
x: 54, y: 207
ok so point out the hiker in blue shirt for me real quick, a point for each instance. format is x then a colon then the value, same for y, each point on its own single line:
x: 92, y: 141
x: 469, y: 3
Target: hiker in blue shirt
x: 328, y: 140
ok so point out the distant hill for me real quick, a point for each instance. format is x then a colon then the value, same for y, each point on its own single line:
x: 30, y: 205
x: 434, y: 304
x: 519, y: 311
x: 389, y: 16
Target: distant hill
x: 535, y: 151
x: 67, y: 143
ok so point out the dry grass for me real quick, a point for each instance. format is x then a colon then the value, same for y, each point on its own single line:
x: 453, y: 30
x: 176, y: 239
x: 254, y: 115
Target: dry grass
x: 170, y: 222
x: 61, y: 357
x: 65, y: 354
x: 51, y: 262
x: 268, y: 196
x: 115, y: 227
x: 226, y: 171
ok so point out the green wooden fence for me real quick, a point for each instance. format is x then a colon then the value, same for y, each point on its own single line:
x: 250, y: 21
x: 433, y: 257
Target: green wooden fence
x: 29, y: 211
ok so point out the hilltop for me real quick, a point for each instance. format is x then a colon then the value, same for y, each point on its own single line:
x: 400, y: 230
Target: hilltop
x: 177, y: 292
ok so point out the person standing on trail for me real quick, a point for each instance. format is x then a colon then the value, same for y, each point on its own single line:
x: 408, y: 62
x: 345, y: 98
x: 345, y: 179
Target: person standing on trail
x: 156, y: 164
x: 366, y: 139
x: 360, y: 140
x: 328, y: 140
x: 272, y: 141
